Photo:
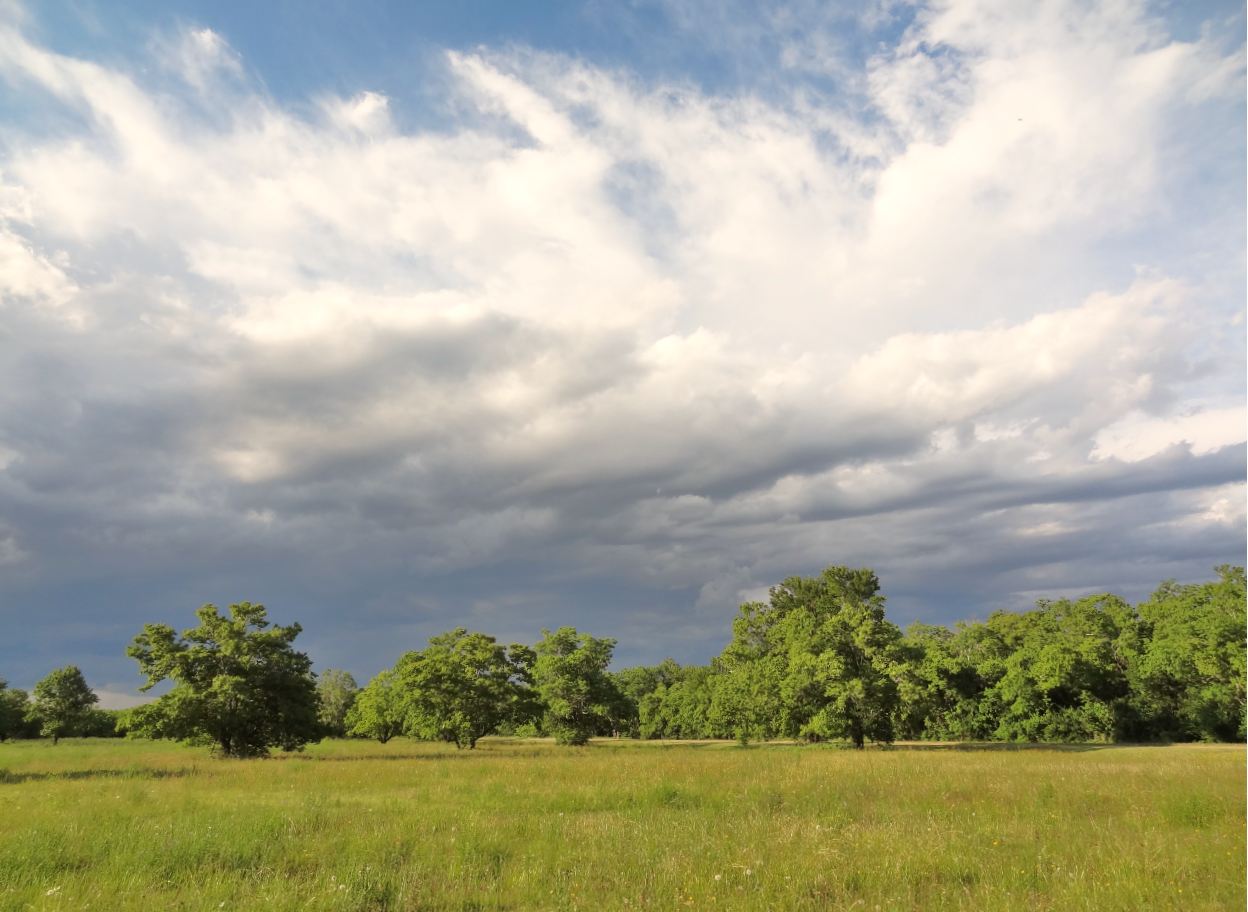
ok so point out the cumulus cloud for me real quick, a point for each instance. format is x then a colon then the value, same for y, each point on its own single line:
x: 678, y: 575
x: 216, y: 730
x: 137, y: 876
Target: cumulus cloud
x: 625, y: 333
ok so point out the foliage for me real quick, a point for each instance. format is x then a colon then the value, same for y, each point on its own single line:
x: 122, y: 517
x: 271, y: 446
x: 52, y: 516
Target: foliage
x: 940, y: 687
x: 378, y: 710
x: 237, y: 684
x: 462, y: 686
x: 814, y: 662
x: 570, y: 676
x: 1190, y: 677
x: 14, y: 706
x: 101, y: 723
x: 335, y: 692
x: 818, y: 660
x: 1065, y: 676
x: 633, y: 685
x: 61, y: 703
x: 680, y: 704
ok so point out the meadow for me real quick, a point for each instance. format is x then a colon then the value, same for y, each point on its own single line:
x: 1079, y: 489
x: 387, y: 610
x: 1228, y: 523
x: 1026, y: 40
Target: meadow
x: 523, y: 824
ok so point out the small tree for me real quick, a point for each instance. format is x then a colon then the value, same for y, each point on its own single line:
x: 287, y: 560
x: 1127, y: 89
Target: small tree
x: 62, y: 703
x: 335, y: 692
x: 378, y: 711
x: 571, y: 677
x: 237, y: 685
x: 460, y: 688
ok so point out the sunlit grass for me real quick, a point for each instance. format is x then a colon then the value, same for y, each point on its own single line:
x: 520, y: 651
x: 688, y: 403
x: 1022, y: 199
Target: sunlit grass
x: 526, y: 825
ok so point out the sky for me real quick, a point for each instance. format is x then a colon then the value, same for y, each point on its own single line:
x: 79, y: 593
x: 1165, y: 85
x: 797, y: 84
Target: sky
x: 401, y: 317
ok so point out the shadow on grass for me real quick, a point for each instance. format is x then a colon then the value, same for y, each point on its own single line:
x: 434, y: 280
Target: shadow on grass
x: 969, y: 746
x: 482, y: 751
x: 1013, y: 746
x: 360, y: 758
x: 9, y: 777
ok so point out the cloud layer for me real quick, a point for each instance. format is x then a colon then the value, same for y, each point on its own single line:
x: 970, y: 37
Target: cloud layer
x: 613, y: 349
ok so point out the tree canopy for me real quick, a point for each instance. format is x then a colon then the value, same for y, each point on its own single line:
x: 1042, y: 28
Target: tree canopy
x: 570, y: 675
x: 379, y: 710
x: 14, y: 705
x: 463, y: 686
x: 818, y: 660
x: 238, y: 683
x: 61, y: 703
x: 814, y: 662
x: 335, y: 692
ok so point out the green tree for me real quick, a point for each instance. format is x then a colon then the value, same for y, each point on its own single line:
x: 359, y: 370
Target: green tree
x: 335, y: 692
x: 570, y: 676
x: 746, y: 696
x: 379, y: 710
x: 633, y: 686
x: 62, y: 703
x: 14, y: 705
x: 745, y: 700
x: 687, y: 704
x: 461, y: 687
x: 1066, y: 675
x: 101, y: 723
x: 842, y: 653
x: 238, y: 684
x: 942, y: 679
x: 1190, y: 679
x: 816, y: 661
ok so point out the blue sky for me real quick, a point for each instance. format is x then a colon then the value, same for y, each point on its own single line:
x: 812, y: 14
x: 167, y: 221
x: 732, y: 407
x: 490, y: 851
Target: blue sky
x: 398, y: 317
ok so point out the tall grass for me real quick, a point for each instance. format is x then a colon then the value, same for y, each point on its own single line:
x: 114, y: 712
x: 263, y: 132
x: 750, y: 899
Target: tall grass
x: 116, y: 825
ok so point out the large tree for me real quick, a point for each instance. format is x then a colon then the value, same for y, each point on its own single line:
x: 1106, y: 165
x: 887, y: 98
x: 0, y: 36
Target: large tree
x: 816, y: 661
x: 570, y: 676
x: 238, y: 683
x: 62, y: 702
x: 461, y: 687
x: 842, y: 653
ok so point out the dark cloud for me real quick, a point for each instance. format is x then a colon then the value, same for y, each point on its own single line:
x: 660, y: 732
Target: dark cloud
x: 609, y: 353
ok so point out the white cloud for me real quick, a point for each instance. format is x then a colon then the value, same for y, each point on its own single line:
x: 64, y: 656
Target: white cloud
x: 29, y: 275
x: 120, y: 699
x: 616, y: 326
x: 200, y: 56
x: 368, y: 113
x: 1138, y: 435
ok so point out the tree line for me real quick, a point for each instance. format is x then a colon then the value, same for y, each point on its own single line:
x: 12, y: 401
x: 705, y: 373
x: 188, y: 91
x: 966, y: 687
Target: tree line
x: 817, y: 661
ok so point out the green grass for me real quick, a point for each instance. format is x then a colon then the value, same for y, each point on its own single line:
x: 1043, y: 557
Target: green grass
x: 116, y: 825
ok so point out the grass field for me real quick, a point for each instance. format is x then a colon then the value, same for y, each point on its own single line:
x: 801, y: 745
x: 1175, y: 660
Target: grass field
x: 116, y: 825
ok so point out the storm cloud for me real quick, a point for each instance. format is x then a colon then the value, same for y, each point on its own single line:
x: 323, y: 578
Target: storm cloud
x: 614, y: 347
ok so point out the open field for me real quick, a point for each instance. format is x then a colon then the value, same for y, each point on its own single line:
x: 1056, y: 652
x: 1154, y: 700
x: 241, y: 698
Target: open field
x: 114, y: 825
